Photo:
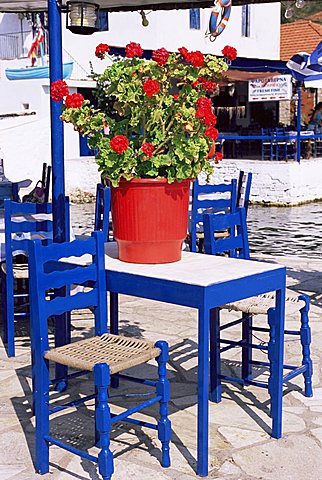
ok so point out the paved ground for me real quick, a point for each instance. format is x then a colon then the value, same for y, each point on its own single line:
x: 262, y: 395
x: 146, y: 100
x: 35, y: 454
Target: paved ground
x: 240, y: 445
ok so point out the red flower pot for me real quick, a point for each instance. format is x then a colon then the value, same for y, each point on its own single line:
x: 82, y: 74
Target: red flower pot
x: 150, y: 219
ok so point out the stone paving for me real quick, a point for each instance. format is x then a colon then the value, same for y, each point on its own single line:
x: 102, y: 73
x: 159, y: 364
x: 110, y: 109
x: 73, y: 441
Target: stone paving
x: 240, y: 445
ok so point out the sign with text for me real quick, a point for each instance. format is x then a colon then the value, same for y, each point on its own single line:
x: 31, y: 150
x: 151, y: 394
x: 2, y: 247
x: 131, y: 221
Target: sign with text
x: 270, y: 89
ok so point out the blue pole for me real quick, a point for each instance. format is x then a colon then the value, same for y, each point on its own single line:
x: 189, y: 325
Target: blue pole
x: 57, y: 129
x: 62, y: 325
x: 298, y: 126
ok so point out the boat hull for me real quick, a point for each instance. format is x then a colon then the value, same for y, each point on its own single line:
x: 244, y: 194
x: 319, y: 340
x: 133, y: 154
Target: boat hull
x: 36, y: 72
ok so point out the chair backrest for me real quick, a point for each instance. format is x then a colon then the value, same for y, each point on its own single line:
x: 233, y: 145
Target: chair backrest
x: 24, y: 219
x: 102, y: 209
x: 243, y: 189
x: 50, y: 267
x: 220, y: 197
x: 45, y: 178
x: 226, y: 233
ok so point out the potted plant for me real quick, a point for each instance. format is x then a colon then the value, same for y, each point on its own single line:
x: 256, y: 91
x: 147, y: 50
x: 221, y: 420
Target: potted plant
x: 154, y: 131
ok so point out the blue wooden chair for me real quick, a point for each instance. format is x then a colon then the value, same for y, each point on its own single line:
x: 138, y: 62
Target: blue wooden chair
x: 221, y: 197
x: 104, y: 354
x: 243, y: 189
x: 268, y: 149
x: 20, y: 224
x: 236, y: 245
x: 285, y: 148
x: 102, y: 210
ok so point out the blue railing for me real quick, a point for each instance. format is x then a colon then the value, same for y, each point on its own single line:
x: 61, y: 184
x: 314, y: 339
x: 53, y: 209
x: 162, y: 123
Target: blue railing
x: 271, y: 147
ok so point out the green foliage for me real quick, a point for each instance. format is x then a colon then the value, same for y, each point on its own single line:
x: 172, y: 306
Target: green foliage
x: 168, y: 123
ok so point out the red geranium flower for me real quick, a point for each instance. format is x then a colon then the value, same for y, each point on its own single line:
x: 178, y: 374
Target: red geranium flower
x: 147, y: 148
x: 151, y: 87
x: 75, y: 100
x: 210, y: 118
x: 119, y: 144
x: 59, y: 90
x: 101, y: 50
x: 195, y: 84
x: 204, y: 103
x: 229, y: 52
x: 219, y: 156
x: 208, y: 85
x: 212, y: 133
x: 176, y: 96
x: 196, y: 58
x: 184, y: 52
x: 133, y: 49
x: 160, y: 56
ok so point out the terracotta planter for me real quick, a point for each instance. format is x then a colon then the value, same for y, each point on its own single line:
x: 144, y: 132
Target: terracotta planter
x: 150, y: 219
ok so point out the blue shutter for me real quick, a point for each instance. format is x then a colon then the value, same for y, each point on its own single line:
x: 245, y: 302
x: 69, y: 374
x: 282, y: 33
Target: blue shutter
x: 102, y: 21
x: 195, y: 18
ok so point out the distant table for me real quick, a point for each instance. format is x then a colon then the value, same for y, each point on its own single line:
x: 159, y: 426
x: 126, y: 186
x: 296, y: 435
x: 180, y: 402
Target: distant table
x: 205, y: 282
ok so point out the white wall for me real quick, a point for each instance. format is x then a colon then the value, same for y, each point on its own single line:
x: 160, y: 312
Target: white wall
x: 276, y: 182
x: 170, y: 29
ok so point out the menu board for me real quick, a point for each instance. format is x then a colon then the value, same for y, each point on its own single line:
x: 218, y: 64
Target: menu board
x: 275, y: 88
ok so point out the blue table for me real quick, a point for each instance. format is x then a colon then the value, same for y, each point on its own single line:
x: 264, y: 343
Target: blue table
x: 205, y: 282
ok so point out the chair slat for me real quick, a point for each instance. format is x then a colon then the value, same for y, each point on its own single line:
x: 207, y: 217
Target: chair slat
x: 75, y: 275
x: 77, y: 248
x: 80, y: 300
x: 31, y: 226
x: 30, y: 208
x: 223, y: 245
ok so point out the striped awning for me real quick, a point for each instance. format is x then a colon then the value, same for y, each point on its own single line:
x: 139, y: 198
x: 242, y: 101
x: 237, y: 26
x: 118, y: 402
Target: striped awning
x: 305, y: 67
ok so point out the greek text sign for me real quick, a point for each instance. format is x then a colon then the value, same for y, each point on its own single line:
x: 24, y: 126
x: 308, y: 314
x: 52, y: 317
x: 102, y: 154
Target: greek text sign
x: 270, y: 89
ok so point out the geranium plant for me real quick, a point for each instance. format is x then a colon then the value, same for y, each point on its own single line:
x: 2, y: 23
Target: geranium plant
x: 153, y: 118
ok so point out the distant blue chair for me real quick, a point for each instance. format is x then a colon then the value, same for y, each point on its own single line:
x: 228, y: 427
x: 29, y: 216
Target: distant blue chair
x: 236, y: 245
x: 285, y: 148
x: 214, y: 198
x: 104, y: 354
x: 102, y: 210
x: 268, y: 147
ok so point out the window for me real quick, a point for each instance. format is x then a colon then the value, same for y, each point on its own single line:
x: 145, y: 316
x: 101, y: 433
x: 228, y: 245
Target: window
x: 246, y: 20
x: 102, y: 21
x: 195, y: 18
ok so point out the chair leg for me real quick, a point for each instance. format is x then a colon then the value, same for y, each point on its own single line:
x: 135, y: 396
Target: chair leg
x: 247, y: 351
x: 305, y: 333
x: 9, y: 299
x: 163, y: 389
x: 41, y: 398
x: 215, y: 368
x: 275, y: 381
x: 103, y: 420
x: 3, y: 307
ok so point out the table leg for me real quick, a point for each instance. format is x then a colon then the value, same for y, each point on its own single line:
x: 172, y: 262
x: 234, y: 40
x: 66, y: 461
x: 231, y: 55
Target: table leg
x: 114, y: 328
x: 215, y: 366
x: 203, y: 387
x: 276, y: 357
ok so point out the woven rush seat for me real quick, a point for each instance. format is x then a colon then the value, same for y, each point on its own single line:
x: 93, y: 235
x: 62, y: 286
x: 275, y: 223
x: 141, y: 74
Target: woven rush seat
x: 118, y: 352
x: 20, y: 270
x: 261, y: 304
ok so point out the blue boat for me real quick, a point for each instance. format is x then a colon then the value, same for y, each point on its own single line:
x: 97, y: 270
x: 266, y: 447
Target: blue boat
x: 28, y: 73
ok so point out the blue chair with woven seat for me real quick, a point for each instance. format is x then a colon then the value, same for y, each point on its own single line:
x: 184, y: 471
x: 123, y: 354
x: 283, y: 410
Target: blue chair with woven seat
x: 220, y: 197
x: 22, y: 220
x: 104, y: 354
x: 236, y: 245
